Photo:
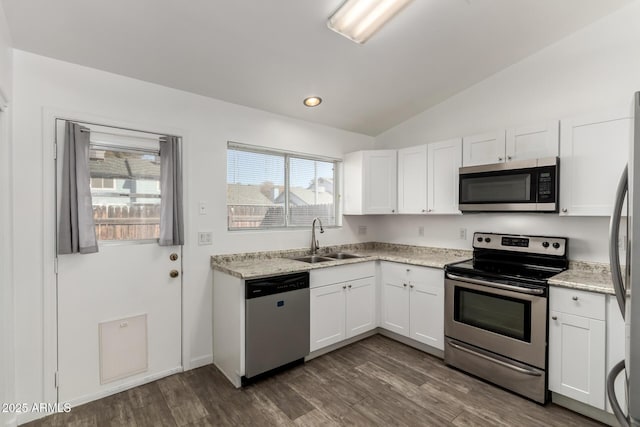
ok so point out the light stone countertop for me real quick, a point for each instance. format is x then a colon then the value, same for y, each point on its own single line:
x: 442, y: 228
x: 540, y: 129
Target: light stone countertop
x: 263, y: 264
x: 585, y: 276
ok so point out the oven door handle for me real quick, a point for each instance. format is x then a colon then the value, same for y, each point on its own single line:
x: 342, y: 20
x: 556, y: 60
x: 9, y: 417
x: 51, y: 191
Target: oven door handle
x: 497, y: 285
x: 494, y: 360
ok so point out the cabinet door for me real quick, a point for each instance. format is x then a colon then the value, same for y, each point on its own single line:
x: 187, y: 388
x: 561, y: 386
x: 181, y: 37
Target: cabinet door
x: 577, y: 358
x: 380, y: 182
x: 533, y: 142
x: 444, y: 161
x: 427, y: 308
x: 483, y: 149
x: 361, y: 306
x: 593, y: 153
x: 412, y: 180
x: 327, y: 311
x: 395, y: 306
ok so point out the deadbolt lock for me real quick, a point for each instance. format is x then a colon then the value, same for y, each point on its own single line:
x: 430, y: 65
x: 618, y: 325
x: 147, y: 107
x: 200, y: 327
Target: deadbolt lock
x: 173, y: 256
x: 174, y: 273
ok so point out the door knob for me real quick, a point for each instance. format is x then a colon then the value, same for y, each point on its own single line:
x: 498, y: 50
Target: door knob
x: 574, y: 298
x: 173, y: 256
x: 174, y: 273
x: 554, y: 317
x: 499, y: 159
x: 509, y: 157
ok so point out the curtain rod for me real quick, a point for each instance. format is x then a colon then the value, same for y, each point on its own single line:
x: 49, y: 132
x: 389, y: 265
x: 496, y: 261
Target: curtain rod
x: 116, y: 127
x: 161, y: 138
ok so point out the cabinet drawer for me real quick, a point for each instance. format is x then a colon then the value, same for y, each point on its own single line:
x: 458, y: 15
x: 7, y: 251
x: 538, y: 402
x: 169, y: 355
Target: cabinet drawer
x: 579, y: 303
x: 341, y: 273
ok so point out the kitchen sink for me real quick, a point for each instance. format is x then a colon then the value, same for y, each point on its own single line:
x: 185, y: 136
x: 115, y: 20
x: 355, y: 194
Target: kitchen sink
x: 312, y: 259
x: 342, y: 255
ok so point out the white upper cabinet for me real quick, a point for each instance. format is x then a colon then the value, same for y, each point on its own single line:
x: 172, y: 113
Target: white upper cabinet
x: 516, y: 143
x: 532, y: 142
x: 444, y: 161
x: 483, y: 149
x: 370, y: 182
x: 412, y: 180
x: 593, y: 152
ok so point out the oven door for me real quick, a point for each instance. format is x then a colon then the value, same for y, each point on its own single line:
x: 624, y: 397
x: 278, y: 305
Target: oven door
x: 509, y: 321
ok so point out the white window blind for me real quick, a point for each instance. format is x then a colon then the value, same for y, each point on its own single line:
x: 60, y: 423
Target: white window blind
x: 270, y: 189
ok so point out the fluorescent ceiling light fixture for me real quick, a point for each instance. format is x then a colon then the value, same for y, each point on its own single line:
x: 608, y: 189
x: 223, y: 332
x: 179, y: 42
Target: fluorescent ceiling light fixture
x: 358, y: 20
x: 312, y: 101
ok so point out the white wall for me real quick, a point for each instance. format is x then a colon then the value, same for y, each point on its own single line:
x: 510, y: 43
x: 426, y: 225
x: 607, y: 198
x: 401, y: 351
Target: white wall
x: 207, y: 124
x: 6, y: 259
x: 594, y: 69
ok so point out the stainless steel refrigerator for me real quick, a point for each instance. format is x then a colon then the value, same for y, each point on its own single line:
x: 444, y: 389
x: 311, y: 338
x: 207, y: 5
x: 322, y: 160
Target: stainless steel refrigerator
x: 627, y: 282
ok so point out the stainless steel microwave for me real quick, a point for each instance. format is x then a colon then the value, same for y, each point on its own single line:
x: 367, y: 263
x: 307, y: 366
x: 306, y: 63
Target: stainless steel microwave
x: 518, y: 186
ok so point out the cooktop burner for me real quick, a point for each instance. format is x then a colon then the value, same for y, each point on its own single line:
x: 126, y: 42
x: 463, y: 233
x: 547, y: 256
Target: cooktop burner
x: 529, y: 260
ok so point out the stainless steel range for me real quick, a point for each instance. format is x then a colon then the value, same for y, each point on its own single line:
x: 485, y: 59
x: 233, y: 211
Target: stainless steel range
x: 496, y: 310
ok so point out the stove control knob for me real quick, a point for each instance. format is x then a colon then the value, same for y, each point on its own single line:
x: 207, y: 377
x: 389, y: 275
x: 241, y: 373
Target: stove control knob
x: 545, y: 244
x: 556, y: 245
x: 487, y: 239
x: 480, y: 239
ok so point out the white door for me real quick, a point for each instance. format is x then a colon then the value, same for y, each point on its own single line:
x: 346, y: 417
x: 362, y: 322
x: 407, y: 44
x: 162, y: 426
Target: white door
x: 533, y: 142
x: 427, y: 308
x: 483, y: 149
x: 361, y: 306
x: 395, y: 306
x: 119, y: 310
x: 412, y: 180
x: 445, y: 159
x: 380, y: 181
x: 327, y: 311
x: 593, y: 152
x: 577, y: 358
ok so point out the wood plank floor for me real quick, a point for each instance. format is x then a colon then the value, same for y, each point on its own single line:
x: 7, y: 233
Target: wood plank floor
x: 374, y: 382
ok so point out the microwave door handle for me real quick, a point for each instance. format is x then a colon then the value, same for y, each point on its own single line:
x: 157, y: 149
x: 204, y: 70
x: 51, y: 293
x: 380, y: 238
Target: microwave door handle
x: 614, y: 231
x: 611, y: 392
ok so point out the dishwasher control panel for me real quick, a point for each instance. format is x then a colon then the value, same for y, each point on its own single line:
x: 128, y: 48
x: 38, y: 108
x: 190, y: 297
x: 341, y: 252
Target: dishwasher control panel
x: 256, y: 288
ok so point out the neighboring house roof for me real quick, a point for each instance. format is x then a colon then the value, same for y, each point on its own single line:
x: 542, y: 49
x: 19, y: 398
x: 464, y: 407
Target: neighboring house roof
x: 299, y: 196
x: 124, y: 168
x: 243, y: 194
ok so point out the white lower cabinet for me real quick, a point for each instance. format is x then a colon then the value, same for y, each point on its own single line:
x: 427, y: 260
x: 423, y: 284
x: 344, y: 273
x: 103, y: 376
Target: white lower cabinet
x: 577, y: 342
x: 344, y: 309
x: 413, y: 302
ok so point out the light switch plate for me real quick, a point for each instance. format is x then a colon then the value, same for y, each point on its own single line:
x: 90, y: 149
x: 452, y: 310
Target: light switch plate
x: 202, y: 208
x: 205, y: 238
x: 362, y: 230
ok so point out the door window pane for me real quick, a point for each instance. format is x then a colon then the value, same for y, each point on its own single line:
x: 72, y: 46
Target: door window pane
x: 125, y: 191
x: 505, y: 188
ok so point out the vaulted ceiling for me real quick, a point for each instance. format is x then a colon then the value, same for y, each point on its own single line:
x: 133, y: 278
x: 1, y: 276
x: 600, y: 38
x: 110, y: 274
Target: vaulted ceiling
x: 272, y: 54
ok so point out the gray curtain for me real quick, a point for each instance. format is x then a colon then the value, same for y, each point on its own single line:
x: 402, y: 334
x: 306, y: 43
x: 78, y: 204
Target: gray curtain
x: 171, y: 217
x: 76, y: 231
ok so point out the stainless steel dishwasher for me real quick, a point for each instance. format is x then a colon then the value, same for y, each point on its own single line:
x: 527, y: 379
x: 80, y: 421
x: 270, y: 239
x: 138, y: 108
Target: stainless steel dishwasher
x: 277, y: 322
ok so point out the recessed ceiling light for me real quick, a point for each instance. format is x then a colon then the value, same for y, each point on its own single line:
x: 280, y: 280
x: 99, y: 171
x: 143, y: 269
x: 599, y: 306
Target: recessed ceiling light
x: 358, y: 20
x: 312, y: 101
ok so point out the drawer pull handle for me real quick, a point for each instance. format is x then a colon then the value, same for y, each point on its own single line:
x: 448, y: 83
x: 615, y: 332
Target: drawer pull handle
x: 575, y: 298
x: 349, y: 286
x: 411, y: 286
x: 344, y: 286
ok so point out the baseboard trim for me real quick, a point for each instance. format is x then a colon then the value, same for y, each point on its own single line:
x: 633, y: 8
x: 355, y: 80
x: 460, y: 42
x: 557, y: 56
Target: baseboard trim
x: 201, y: 361
x: 584, y: 409
x: 340, y: 344
x: 27, y: 417
x: 412, y: 343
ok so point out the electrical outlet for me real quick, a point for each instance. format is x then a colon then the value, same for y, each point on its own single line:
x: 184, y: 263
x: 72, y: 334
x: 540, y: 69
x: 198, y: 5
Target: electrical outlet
x: 205, y: 238
x: 463, y: 233
x: 421, y: 231
x: 362, y: 230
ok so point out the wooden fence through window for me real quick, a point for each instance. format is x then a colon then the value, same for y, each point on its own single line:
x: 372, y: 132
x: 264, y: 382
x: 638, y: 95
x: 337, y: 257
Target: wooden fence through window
x: 137, y: 222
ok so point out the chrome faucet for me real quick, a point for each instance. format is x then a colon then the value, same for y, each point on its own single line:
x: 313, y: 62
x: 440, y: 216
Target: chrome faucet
x: 314, y: 243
